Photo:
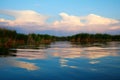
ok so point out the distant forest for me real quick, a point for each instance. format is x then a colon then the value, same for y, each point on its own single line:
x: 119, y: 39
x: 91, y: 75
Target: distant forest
x: 10, y: 38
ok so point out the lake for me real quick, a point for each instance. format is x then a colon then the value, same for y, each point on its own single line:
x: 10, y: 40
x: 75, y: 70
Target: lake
x: 63, y: 61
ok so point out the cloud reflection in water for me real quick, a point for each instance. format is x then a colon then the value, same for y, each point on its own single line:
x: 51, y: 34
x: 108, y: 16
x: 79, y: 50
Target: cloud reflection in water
x: 88, y: 52
x: 64, y: 53
x: 91, y: 53
x: 19, y: 64
x: 25, y: 65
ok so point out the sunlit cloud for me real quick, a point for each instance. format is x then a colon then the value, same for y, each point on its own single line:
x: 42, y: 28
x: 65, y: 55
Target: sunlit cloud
x: 93, y: 19
x: 115, y: 28
x: 26, y: 16
x: 89, y: 23
x: 31, y: 21
x: 27, y: 20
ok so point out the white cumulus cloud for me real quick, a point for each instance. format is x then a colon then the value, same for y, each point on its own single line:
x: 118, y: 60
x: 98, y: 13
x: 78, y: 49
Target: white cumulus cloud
x: 33, y: 21
x: 26, y: 16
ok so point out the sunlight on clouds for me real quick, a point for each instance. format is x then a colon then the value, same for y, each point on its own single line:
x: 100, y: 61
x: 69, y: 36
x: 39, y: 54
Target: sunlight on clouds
x: 115, y: 28
x: 27, y: 19
x: 68, y: 22
x: 30, y: 16
x: 73, y: 20
x: 2, y: 20
x: 90, y: 23
x: 93, y: 19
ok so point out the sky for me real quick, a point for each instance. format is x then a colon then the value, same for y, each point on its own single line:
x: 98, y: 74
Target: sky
x: 61, y: 17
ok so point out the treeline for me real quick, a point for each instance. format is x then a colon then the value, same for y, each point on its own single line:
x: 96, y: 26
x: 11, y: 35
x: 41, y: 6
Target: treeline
x: 10, y: 38
x: 85, y: 37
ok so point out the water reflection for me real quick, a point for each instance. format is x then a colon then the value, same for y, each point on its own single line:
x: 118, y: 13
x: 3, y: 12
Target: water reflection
x: 66, y: 50
x: 91, y: 53
x: 94, y: 62
x: 31, y: 55
x: 63, y: 58
x: 19, y: 64
x: 25, y: 65
x: 4, y: 52
x: 63, y: 63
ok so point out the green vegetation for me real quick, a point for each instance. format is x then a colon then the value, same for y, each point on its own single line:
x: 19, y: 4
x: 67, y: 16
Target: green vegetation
x: 85, y: 37
x: 12, y: 39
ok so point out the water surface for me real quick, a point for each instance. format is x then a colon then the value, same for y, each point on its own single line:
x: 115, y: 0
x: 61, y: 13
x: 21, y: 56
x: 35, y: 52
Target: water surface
x: 64, y: 61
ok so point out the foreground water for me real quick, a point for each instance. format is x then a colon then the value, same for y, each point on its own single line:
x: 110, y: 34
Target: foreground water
x: 64, y: 61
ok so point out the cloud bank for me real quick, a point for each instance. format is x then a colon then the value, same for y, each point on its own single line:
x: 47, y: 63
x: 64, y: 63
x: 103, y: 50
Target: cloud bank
x: 28, y: 21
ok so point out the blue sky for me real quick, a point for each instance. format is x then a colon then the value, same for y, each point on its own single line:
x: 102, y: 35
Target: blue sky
x: 106, y: 9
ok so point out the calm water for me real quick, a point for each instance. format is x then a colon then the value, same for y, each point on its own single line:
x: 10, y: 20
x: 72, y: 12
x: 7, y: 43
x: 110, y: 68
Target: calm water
x: 64, y: 61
